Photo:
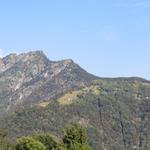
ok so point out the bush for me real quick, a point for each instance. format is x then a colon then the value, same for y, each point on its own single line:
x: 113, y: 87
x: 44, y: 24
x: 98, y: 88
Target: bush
x: 46, y: 140
x: 75, y: 138
x: 28, y: 143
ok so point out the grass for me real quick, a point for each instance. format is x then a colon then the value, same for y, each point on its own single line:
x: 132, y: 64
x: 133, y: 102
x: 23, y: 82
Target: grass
x: 68, y: 98
x: 43, y: 104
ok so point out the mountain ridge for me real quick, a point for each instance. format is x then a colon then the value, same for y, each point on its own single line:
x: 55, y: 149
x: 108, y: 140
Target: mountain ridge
x: 38, y: 95
x: 41, y: 53
x: 31, y: 76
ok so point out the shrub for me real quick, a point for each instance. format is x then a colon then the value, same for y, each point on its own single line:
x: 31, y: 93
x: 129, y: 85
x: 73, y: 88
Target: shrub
x: 28, y: 143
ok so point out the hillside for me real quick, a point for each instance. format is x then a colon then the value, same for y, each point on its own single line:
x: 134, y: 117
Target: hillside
x: 116, y: 112
x: 31, y: 77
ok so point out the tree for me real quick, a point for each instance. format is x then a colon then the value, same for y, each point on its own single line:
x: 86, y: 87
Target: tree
x: 28, y: 143
x: 46, y: 140
x: 75, y: 138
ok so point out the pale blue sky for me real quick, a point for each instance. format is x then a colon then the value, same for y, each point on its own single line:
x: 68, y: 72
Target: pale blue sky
x: 109, y: 38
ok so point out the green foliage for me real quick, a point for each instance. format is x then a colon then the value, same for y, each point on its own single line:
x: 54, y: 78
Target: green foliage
x: 123, y: 113
x: 28, y: 143
x: 60, y: 147
x: 75, y: 134
x: 46, y: 140
x: 80, y: 147
x: 75, y: 138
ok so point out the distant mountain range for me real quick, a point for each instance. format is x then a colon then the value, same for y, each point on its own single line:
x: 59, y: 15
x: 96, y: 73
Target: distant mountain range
x: 39, y: 95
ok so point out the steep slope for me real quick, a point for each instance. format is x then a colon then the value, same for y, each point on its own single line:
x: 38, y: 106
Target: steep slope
x: 31, y: 77
x: 116, y: 113
x: 38, y: 95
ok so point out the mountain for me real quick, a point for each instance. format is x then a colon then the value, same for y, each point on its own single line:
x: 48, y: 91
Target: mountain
x: 31, y: 77
x: 42, y: 96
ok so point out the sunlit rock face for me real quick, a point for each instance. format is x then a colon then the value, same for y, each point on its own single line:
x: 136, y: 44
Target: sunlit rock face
x: 31, y: 77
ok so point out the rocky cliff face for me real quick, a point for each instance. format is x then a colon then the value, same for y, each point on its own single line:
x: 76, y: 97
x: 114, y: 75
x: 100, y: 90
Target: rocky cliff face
x: 31, y: 77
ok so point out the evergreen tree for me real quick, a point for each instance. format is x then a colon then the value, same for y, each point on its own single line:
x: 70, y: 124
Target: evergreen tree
x: 75, y: 138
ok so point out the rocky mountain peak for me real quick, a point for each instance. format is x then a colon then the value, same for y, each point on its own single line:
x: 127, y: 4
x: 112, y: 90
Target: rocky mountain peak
x: 37, y: 53
x: 10, y: 59
x: 28, y: 60
x: 31, y: 77
x: 68, y: 61
x: 13, y: 57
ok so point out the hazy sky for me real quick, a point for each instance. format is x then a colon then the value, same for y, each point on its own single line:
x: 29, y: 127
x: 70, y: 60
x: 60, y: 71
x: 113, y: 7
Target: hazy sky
x: 106, y: 37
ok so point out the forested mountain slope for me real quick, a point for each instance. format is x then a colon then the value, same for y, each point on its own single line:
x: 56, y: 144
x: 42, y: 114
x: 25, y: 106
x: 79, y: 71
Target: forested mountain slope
x: 116, y: 113
x: 42, y: 96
